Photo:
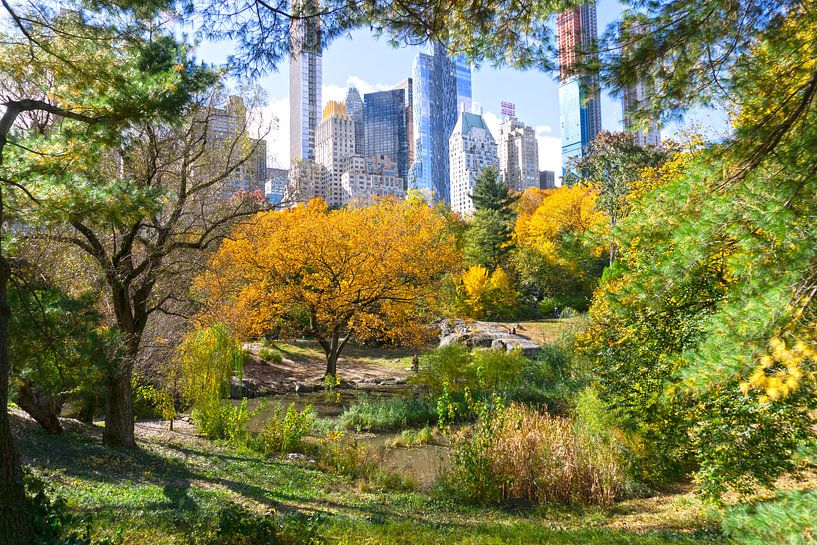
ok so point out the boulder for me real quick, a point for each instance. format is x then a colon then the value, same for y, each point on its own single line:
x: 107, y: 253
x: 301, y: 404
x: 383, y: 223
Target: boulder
x: 485, y: 335
x: 304, y: 388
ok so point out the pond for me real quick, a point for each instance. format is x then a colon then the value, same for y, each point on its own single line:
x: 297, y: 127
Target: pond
x: 423, y: 462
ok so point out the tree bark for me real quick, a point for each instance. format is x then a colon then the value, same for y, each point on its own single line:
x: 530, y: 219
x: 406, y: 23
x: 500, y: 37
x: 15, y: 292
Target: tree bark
x: 119, y: 411
x: 15, y: 527
x: 41, y: 406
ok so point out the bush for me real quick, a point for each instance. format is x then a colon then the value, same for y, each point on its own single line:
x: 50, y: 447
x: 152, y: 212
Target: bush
x: 453, y: 369
x: 446, y: 367
x: 516, y: 452
x: 285, y: 434
x: 271, y: 355
x: 355, y: 460
x: 223, y: 420
x: 497, y: 369
x: 388, y: 414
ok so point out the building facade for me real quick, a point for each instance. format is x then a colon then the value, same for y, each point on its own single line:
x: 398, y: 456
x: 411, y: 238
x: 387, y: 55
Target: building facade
x: 305, y: 81
x: 407, y: 86
x: 354, y: 107
x: 334, y: 144
x: 518, y: 155
x: 307, y: 181
x: 472, y: 148
x: 384, y: 115
x: 547, y: 179
x: 276, y: 185
x: 226, y: 125
x: 441, y: 88
x: 579, y: 95
x: 637, y: 120
x: 366, y: 179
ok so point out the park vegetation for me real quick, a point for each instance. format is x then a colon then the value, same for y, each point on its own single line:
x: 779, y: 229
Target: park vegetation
x: 133, y: 277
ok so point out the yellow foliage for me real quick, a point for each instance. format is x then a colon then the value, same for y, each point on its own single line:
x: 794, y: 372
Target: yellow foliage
x: 780, y: 371
x: 372, y: 271
x: 485, y: 293
x: 564, y: 209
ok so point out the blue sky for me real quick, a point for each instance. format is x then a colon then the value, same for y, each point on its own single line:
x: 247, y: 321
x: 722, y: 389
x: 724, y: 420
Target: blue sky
x: 371, y: 64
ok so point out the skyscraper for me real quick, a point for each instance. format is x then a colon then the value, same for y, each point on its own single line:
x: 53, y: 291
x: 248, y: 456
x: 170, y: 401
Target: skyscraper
x: 635, y: 101
x: 472, y: 148
x: 441, y: 87
x: 518, y: 155
x: 407, y: 86
x: 305, y: 77
x: 579, y: 96
x: 334, y: 144
x: 354, y: 106
x: 227, y: 124
x: 384, y: 116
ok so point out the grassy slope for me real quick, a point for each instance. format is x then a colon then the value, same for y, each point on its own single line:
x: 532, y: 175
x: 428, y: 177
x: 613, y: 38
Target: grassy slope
x: 171, y: 489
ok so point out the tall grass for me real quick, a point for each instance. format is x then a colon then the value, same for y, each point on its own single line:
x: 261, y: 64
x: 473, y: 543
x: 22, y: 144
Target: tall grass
x: 516, y: 452
x: 389, y: 414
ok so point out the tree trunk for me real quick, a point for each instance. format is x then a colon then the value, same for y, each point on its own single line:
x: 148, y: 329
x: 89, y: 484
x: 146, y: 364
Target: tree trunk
x: 41, y: 406
x: 15, y: 526
x: 332, y: 364
x: 119, y: 410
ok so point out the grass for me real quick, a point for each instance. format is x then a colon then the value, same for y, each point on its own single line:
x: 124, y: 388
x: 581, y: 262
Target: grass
x: 175, y: 488
x: 547, y: 330
x: 388, y: 414
x: 397, y: 359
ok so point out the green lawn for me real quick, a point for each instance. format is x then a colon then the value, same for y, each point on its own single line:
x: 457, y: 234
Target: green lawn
x: 176, y: 489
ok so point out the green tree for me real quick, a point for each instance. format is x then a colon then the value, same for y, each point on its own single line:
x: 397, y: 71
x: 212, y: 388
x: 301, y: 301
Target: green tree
x: 488, y: 239
x: 66, y: 86
x: 58, y: 345
x: 612, y: 165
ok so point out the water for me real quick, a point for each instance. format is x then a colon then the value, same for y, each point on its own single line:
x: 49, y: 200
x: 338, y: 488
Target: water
x: 422, y: 463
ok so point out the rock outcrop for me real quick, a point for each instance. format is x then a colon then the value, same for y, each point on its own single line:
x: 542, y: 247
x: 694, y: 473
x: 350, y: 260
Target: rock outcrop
x: 485, y: 335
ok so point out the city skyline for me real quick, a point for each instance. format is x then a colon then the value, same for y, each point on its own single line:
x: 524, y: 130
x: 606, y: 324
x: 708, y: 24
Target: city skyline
x: 377, y: 66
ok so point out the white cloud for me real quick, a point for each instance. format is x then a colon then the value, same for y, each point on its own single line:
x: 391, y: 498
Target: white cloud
x: 550, y: 150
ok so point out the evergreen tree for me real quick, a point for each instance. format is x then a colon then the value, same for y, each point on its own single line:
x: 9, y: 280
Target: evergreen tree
x: 488, y: 239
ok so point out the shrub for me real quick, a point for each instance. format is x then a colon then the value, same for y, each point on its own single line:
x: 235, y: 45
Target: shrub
x: 569, y: 312
x: 355, y: 460
x: 271, y: 355
x: 454, y: 369
x: 388, y: 414
x: 447, y: 366
x: 516, y: 452
x: 285, y: 434
x: 223, y: 420
x: 497, y: 369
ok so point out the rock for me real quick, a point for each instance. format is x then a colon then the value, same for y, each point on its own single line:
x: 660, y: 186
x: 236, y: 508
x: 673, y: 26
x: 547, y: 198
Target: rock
x: 237, y: 389
x: 304, y: 388
x: 400, y: 381
x: 487, y: 335
x: 298, y: 457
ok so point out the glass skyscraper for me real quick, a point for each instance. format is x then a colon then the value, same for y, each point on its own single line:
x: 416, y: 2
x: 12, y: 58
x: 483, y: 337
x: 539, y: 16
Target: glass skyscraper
x: 354, y: 106
x: 305, y: 77
x: 579, y: 96
x: 384, y: 119
x: 442, y: 87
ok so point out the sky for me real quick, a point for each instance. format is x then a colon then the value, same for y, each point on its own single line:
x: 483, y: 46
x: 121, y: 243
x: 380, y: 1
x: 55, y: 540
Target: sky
x: 370, y: 64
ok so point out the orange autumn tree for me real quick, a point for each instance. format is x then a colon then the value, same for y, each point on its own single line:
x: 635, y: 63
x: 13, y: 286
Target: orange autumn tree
x: 356, y: 273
